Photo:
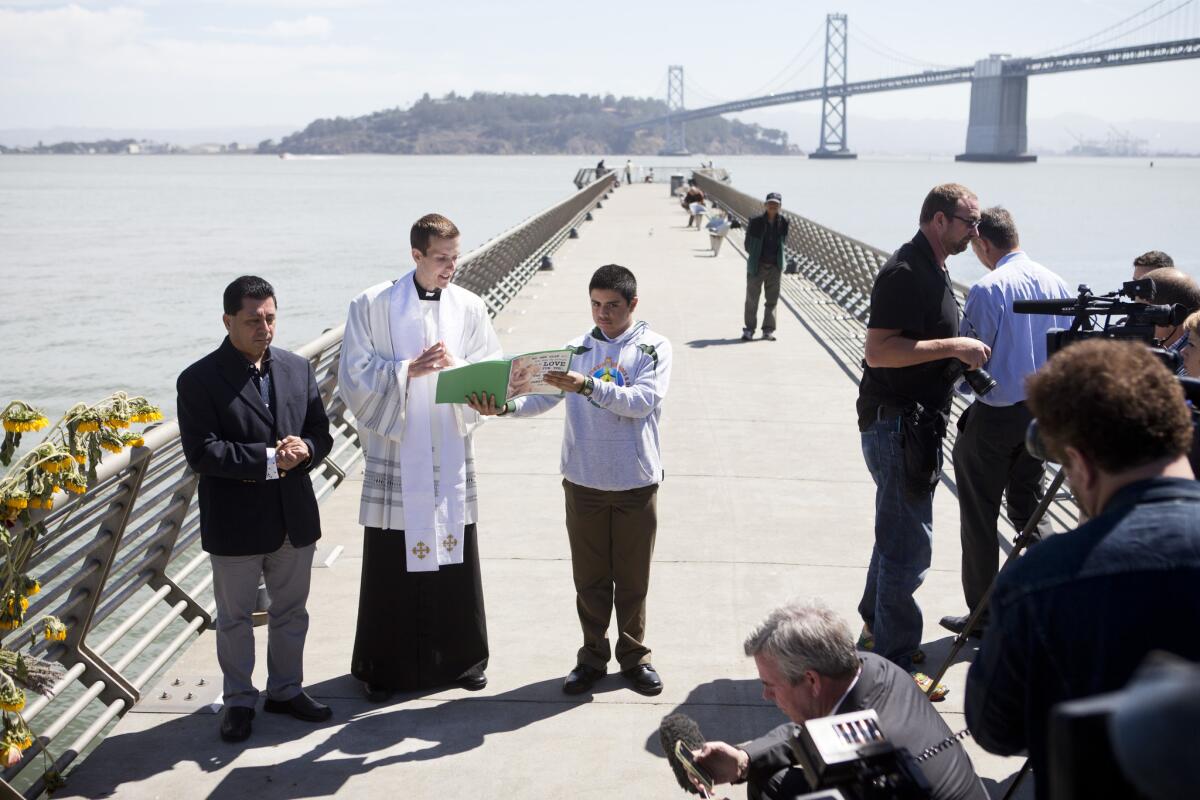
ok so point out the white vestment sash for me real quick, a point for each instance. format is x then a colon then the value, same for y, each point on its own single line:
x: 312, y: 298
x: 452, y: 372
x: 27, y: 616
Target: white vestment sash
x: 434, y: 494
x: 409, y: 483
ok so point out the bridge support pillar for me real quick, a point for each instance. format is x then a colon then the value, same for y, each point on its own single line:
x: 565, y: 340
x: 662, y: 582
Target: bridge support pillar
x: 833, y: 102
x: 996, y: 130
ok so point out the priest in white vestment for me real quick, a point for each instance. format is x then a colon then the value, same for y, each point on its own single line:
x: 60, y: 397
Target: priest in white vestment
x: 421, y: 620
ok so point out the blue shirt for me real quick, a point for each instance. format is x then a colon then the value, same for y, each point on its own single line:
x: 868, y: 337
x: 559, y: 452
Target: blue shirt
x: 1018, y: 341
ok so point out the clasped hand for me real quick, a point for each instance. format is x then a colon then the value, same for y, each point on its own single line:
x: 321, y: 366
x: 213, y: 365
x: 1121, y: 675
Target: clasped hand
x: 433, y: 359
x: 290, y: 452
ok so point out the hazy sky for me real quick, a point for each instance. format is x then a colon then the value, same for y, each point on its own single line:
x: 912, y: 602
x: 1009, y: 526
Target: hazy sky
x: 169, y: 64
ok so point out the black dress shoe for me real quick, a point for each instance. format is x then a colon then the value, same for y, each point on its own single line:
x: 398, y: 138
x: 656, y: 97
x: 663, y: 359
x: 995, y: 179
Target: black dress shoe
x: 957, y: 625
x: 644, y: 679
x: 581, y: 679
x: 473, y: 680
x: 235, y: 723
x: 376, y: 693
x: 301, y: 707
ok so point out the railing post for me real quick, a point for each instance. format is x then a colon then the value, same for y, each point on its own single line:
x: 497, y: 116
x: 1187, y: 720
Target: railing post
x: 104, y: 551
x: 166, y: 546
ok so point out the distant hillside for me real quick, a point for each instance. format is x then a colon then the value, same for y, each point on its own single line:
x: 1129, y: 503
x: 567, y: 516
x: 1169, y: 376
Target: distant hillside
x: 511, y: 123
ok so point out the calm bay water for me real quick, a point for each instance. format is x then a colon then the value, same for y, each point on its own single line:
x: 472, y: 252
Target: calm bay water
x: 112, y: 268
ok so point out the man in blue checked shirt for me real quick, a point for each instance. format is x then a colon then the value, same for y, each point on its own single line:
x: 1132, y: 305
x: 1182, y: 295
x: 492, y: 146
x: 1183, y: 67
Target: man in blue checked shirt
x: 990, y: 458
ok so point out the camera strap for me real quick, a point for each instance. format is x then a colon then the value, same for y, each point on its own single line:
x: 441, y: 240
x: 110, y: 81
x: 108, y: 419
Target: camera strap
x: 943, y: 745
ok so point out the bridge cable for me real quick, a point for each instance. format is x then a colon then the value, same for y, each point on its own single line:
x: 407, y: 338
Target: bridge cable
x: 1066, y: 47
x: 892, y: 52
x: 774, y: 79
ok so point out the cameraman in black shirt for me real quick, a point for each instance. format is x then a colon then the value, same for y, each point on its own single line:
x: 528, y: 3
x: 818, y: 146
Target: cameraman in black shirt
x: 912, y: 358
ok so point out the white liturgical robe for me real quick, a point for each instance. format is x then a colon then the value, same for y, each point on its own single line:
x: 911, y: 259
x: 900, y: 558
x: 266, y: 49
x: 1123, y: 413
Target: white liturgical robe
x: 420, y: 467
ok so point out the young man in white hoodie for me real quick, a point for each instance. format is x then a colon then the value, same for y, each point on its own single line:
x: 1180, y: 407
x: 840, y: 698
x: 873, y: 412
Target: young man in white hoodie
x: 611, y: 468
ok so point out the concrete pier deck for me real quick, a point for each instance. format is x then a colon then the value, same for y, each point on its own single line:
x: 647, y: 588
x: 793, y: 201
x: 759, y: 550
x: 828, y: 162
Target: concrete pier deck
x: 766, y: 498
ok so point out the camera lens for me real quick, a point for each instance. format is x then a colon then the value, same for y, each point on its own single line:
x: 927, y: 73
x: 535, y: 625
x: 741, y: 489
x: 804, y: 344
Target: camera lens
x: 979, y: 380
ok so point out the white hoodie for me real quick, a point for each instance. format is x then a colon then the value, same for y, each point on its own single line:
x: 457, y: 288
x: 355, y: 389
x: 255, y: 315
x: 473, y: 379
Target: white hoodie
x: 610, y: 441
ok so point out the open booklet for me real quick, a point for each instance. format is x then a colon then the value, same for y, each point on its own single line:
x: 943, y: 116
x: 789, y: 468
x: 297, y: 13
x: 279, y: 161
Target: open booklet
x: 506, y: 379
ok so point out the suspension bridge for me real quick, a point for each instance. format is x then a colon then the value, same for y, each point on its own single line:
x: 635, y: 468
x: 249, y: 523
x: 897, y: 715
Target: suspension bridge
x: 996, y: 130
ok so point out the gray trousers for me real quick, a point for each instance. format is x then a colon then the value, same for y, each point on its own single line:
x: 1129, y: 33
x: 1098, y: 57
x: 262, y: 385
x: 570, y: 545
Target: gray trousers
x: 768, y: 277
x: 287, y: 574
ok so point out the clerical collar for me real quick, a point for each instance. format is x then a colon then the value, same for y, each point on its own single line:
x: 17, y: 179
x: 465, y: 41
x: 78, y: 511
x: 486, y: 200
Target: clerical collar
x: 425, y: 294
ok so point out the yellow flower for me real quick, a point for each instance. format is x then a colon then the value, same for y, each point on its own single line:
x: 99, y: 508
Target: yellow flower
x: 53, y: 629
x: 17, y: 501
x: 29, y: 586
x: 10, y: 756
x: 35, y: 502
x: 24, y: 421
x: 73, y: 487
x: 80, y: 458
x: 136, y: 441
x: 116, y: 422
x: 112, y: 447
x: 12, y: 697
x: 88, y: 426
x: 13, y: 602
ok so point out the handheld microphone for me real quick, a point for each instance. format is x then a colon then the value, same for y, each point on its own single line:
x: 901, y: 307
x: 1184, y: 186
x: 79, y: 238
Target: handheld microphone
x: 680, y: 728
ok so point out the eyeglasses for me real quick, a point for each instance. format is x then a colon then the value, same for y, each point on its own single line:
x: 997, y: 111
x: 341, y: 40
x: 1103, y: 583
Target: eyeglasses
x: 971, y: 223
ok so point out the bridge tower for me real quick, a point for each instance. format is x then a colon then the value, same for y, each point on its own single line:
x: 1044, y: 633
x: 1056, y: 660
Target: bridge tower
x: 833, y: 106
x: 996, y: 130
x: 676, y: 143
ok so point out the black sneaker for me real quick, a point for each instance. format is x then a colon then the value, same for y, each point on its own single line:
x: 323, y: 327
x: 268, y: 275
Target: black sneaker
x: 747, y: 336
x: 770, y: 337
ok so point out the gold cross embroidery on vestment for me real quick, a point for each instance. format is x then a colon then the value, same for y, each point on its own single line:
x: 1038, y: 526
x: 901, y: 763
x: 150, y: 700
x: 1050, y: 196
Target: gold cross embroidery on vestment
x: 421, y: 550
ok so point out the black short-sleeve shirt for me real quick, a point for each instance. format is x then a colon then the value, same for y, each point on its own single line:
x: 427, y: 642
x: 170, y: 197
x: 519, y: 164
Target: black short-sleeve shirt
x: 914, y: 295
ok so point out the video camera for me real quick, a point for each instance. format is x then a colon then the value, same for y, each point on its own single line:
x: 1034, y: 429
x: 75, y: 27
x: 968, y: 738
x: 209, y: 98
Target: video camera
x: 847, y: 757
x: 1136, y: 320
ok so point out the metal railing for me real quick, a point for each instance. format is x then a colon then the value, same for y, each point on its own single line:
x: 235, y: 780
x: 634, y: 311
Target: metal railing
x: 830, y: 289
x: 121, y: 564
x: 656, y: 173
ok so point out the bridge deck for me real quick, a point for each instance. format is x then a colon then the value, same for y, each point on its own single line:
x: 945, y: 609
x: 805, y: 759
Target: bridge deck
x: 766, y: 497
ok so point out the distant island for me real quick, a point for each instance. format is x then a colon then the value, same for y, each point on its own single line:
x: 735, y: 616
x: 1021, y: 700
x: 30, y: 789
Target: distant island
x: 510, y: 124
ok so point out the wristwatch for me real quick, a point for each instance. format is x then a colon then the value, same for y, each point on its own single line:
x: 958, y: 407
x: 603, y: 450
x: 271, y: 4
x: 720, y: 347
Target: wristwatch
x: 589, y: 385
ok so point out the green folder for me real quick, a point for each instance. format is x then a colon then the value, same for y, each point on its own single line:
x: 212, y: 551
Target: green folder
x: 497, y: 378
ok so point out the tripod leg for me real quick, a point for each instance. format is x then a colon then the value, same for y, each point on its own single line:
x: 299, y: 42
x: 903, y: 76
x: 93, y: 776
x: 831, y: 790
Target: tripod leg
x: 1022, y: 541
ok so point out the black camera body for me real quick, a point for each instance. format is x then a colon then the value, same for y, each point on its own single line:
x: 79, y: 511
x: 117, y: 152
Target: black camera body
x: 848, y: 756
x: 1135, y: 320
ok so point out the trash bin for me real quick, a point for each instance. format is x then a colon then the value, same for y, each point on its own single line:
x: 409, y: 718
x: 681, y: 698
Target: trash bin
x: 677, y: 181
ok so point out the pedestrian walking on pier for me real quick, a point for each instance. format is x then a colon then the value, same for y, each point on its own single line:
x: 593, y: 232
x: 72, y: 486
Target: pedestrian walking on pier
x: 421, y: 620
x: 252, y: 425
x: 911, y: 356
x: 611, y: 471
x: 766, y: 235
x: 628, y: 172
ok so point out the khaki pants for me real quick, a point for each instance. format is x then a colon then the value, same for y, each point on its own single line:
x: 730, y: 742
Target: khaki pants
x: 612, y: 540
x: 767, y: 278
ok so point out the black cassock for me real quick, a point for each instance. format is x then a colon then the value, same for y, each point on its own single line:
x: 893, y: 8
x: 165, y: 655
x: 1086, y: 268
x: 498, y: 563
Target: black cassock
x: 418, y: 630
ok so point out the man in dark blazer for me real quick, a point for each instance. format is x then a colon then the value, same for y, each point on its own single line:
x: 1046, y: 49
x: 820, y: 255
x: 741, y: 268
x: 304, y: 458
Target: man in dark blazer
x: 810, y: 669
x: 252, y: 425
x: 766, y: 236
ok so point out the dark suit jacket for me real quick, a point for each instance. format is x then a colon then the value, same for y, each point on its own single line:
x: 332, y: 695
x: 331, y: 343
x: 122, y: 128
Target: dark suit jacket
x: 906, y: 717
x: 226, y: 429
